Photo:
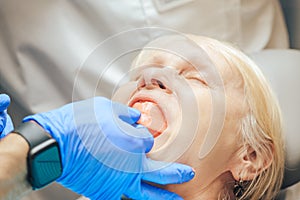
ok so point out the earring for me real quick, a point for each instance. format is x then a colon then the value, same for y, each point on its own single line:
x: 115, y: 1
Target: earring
x: 238, y: 188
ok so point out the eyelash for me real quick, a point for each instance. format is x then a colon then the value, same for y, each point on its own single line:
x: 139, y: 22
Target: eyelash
x: 190, y: 77
x: 197, y: 79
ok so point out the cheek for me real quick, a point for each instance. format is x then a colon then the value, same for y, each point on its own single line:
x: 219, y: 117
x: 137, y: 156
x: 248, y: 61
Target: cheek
x: 204, y: 101
x: 216, y: 134
x: 205, y: 109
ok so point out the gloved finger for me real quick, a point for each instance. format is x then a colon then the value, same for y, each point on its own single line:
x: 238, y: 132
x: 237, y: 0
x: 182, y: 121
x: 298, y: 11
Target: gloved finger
x: 150, y: 192
x: 135, y: 138
x: 125, y: 113
x: 167, y: 173
x: 3, y: 119
x: 148, y: 137
x: 4, y: 102
x: 8, y: 127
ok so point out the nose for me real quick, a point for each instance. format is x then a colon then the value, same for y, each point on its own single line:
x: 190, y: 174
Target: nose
x: 151, y: 79
x: 152, y: 83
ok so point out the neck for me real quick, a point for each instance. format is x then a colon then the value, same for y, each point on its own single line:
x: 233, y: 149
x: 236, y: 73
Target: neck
x: 194, y: 190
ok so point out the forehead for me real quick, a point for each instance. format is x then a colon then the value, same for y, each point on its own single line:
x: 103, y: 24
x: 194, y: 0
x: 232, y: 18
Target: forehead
x: 177, y: 50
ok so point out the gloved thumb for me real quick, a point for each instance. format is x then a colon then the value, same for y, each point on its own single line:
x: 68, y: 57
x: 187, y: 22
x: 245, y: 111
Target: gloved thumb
x: 4, y: 102
x: 126, y: 114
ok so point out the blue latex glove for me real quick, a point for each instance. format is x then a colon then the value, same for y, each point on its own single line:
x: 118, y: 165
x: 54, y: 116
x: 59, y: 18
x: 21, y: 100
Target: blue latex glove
x: 6, y: 124
x: 103, y: 154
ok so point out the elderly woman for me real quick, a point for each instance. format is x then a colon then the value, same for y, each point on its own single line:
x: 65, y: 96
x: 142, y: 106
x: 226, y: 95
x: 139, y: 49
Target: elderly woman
x: 209, y: 106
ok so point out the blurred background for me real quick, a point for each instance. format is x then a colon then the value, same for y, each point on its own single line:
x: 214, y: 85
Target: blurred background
x: 291, y: 13
x: 292, y: 18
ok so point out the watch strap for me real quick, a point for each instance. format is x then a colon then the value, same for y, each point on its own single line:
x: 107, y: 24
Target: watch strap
x: 31, y: 132
x: 43, y: 160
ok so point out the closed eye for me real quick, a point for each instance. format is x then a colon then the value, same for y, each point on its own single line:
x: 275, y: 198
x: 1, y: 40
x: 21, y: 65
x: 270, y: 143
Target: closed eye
x: 193, y: 75
x: 197, y: 79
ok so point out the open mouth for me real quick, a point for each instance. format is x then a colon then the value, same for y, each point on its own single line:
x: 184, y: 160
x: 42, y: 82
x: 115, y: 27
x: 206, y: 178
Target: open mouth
x: 152, y: 116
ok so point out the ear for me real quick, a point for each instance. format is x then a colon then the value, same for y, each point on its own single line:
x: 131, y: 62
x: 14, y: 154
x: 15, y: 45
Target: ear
x: 250, y: 163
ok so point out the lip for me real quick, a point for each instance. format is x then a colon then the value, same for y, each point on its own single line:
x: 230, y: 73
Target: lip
x: 142, y: 98
x: 134, y: 100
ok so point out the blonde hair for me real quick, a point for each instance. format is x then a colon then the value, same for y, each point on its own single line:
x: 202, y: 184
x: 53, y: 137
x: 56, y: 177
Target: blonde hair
x: 261, y: 128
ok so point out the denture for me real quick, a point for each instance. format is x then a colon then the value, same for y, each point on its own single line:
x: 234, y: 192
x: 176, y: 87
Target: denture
x: 152, y: 117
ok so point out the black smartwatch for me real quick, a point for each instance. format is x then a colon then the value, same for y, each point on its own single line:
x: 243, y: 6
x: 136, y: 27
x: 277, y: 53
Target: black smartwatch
x: 44, y: 160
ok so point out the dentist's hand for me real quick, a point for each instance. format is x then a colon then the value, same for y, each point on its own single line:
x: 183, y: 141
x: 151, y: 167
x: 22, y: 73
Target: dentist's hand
x: 6, y: 124
x: 103, y: 154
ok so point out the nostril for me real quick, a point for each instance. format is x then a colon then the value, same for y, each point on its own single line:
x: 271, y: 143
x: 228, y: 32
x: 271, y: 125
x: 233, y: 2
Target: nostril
x: 161, y: 85
x: 151, y: 84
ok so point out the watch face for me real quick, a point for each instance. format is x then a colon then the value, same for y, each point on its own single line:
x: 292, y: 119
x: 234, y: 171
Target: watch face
x: 45, y: 164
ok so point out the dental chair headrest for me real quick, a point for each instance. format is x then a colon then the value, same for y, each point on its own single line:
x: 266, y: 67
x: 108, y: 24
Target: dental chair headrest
x: 282, y: 69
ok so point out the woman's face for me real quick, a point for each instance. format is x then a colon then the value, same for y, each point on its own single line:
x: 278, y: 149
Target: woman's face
x: 191, y: 107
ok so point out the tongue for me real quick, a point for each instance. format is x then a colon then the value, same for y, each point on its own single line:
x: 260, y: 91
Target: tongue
x: 151, y: 117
